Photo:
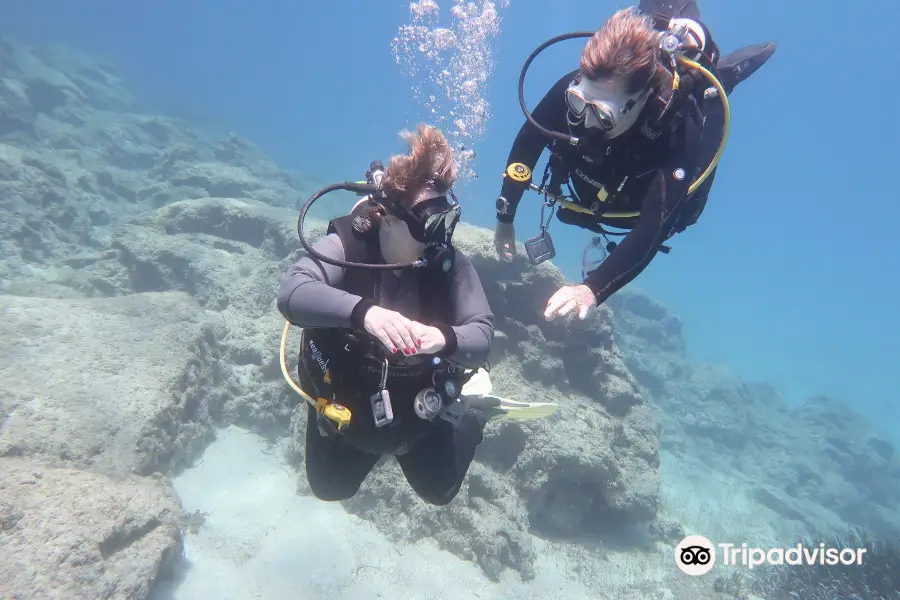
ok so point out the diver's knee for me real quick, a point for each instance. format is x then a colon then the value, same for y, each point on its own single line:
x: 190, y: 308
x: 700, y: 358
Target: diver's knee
x: 329, y: 490
x: 327, y: 494
x: 329, y: 484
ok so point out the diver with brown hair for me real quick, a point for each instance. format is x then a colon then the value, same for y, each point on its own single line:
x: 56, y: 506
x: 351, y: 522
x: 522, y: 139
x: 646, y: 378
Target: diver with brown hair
x: 396, y: 326
x: 635, y: 133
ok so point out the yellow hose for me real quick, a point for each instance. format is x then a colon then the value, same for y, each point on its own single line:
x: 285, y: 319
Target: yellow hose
x: 726, y: 129
x: 284, y: 368
x: 338, y: 414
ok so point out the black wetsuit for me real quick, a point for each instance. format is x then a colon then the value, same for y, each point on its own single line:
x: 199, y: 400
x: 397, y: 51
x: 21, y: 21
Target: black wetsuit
x: 660, y: 163
x: 434, y: 455
x: 647, y: 169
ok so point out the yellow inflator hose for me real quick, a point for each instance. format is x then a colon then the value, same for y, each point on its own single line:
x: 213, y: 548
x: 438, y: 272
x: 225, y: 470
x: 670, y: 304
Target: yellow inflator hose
x: 336, y: 413
x: 284, y: 368
x: 726, y: 107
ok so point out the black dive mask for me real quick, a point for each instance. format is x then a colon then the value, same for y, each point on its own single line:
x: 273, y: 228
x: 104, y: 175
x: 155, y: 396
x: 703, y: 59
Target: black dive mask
x: 431, y: 221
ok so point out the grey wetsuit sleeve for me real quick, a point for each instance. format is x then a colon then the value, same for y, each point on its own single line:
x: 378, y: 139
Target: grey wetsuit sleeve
x: 309, y: 294
x: 473, y: 321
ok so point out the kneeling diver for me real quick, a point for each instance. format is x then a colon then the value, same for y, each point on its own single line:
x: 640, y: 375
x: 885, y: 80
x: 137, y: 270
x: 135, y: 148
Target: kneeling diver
x: 396, y: 327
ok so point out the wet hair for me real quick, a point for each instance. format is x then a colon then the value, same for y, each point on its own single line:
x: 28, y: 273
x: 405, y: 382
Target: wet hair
x: 626, y: 49
x: 428, y: 164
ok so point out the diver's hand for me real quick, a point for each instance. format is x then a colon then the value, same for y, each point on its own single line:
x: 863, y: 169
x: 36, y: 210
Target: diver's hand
x: 505, y: 241
x: 568, y: 298
x: 394, y: 330
x: 431, y: 338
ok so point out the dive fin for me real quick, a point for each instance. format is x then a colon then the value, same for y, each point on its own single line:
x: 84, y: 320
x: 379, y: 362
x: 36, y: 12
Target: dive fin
x: 737, y: 66
x: 478, y: 385
x: 477, y: 394
x: 504, y: 409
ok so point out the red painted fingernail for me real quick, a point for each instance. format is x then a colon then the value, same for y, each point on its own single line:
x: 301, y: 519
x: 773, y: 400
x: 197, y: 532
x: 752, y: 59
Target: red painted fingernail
x: 419, y: 342
x: 394, y: 350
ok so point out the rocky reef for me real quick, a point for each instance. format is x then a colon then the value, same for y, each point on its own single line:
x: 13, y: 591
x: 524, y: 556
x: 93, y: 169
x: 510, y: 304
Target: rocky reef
x: 820, y: 467
x: 76, y: 533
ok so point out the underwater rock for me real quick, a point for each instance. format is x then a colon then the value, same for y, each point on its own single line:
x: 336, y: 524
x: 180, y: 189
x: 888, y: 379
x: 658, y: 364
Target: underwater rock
x: 67, y: 533
x: 666, y: 531
x: 652, y: 337
x: 593, y: 474
x: 75, y: 157
x: 821, y: 465
x: 99, y: 85
x: 109, y: 384
x: 16, y: 112
x: 647, y: 319
x: 229, y: 255
x: 866, y: 481
x: 484, y: 524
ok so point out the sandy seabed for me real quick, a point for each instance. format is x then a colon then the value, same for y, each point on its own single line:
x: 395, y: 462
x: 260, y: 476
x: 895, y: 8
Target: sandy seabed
x: 262, y: 540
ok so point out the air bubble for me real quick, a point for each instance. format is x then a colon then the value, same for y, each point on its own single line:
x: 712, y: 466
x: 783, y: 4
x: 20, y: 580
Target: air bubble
x: 453, y: 64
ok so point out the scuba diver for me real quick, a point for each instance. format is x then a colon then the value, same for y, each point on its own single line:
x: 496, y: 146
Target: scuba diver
x: 396, y: 327
x: 647, y: 117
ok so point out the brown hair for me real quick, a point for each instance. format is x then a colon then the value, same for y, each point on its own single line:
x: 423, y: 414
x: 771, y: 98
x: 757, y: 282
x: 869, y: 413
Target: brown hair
x: 429, y: 163
x: 626, y: 48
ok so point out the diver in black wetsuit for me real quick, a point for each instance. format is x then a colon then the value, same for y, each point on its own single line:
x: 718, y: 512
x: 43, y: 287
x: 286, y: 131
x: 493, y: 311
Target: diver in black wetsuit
x: 646, y: 134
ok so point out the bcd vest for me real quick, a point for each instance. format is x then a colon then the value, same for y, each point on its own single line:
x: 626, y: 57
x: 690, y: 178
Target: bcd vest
x: 353, y: 357
x: 625, y: 164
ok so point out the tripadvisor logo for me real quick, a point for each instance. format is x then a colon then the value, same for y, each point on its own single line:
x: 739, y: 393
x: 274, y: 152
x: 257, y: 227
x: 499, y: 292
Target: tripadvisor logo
x: 696, y: 555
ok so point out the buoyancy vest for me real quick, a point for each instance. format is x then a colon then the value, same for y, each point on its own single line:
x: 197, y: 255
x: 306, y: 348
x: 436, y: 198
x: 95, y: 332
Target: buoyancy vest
x: 350, y: 356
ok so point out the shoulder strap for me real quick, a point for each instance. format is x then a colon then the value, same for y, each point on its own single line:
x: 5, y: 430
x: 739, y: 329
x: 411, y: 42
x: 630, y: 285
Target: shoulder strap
x: 363, y: 248
x: 358, y: 248
x: 434, y: 294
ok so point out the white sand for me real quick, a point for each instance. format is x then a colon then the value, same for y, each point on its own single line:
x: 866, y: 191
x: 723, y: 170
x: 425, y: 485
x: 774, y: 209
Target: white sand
x: 261, y: 540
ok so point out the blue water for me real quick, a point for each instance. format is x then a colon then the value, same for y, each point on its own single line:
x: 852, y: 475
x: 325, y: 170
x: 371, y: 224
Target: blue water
x: 791, y: 276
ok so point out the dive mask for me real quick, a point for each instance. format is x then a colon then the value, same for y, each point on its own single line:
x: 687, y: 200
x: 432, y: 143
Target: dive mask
x: 605, y: 104
x: 431, y: 221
